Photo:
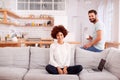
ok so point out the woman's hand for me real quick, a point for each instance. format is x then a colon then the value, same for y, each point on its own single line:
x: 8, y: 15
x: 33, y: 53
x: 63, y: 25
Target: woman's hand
x: 60, y: 71
x: 65, y: 70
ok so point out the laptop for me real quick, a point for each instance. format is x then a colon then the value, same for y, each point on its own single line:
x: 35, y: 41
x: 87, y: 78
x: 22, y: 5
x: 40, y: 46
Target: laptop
x: 100, y: 66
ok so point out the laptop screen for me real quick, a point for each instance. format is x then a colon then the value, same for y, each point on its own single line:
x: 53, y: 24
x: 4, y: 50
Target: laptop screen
x: 101, y: 64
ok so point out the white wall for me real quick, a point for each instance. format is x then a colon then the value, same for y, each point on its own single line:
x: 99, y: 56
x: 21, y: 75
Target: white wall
x: 59, y: 16
x: 115, y: 27
x: 31, y: 32
x: 119, y: 22
x: 60, y: 19
x: 76, y: 17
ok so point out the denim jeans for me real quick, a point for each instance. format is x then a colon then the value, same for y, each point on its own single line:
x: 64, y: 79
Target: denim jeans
x: 92, y: 48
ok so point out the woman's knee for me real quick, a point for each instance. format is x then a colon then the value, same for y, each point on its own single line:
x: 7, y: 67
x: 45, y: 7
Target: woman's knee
x: 48, y: 67
x: 79, y: 68
x: 51, y: 69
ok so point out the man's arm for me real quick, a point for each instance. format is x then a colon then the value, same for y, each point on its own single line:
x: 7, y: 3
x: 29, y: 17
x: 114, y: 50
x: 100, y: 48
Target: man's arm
x: 96, y: 40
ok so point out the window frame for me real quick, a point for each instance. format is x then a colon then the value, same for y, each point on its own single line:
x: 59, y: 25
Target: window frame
x: 40, y: 3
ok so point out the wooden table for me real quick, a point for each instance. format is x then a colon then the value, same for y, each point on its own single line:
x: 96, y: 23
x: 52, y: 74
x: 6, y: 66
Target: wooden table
x: 9, y: 44
x: 36, y: 43
x: 40, y: 43
x: 44, y: 43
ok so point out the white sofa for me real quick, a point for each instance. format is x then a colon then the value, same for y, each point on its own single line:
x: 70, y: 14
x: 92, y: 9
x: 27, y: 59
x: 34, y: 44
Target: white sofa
x: 13, y: 63
x: 91, y: 60
x: 28, y: 63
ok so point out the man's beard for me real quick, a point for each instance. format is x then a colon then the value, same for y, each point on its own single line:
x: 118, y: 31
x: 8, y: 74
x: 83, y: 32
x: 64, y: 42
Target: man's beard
x: 93, y: 21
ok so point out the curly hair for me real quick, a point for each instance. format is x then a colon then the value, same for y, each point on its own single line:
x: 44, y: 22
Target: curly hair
x: 59, y: 28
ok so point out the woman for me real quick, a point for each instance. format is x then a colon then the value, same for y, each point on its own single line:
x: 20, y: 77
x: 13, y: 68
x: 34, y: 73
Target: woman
x: 60, y: 54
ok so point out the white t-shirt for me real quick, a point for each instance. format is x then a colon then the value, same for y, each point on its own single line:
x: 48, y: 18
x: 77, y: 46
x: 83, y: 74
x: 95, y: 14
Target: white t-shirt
x: 60, y: 55
x: 99, y: 26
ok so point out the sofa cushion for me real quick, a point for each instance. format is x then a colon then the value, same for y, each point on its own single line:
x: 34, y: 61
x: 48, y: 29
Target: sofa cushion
x: 10, y: 73
x: 40, y: 57
x: 41, y: 74
x: 89, y: 59
x: 6, y: 58
x: 14, y: 57
x: 104, y: 75
x: 113, y: 62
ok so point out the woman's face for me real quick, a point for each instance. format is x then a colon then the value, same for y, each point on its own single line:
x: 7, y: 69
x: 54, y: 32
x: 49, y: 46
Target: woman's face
x: 60, y: 36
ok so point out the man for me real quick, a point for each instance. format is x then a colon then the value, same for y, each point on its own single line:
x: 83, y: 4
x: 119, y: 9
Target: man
x: 96, y: 40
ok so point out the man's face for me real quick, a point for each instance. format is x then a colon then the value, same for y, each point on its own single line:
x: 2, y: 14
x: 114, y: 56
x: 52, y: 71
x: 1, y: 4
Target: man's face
x: 92, y: 17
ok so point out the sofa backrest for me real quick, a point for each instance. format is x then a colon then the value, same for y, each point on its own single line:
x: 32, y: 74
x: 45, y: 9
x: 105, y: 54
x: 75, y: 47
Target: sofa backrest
x: 14, y: 57
x: 40, y: 57
x: 89, y: 59
x: 113, y: 62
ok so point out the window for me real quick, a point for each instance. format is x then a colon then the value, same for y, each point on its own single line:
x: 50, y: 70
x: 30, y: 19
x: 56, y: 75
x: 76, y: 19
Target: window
x: 41, y: 5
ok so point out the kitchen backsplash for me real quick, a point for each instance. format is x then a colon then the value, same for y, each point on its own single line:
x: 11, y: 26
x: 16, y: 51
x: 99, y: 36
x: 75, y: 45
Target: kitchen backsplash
x: 29, y: 32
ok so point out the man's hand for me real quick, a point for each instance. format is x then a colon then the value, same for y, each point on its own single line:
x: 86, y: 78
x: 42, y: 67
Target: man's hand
x: 87, y: 45
x: 60, y: 71
x: 65, y: 70
x: 89, y: 38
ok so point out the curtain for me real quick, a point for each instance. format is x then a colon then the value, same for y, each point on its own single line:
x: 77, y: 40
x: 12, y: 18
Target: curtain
x: 105, y: 14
